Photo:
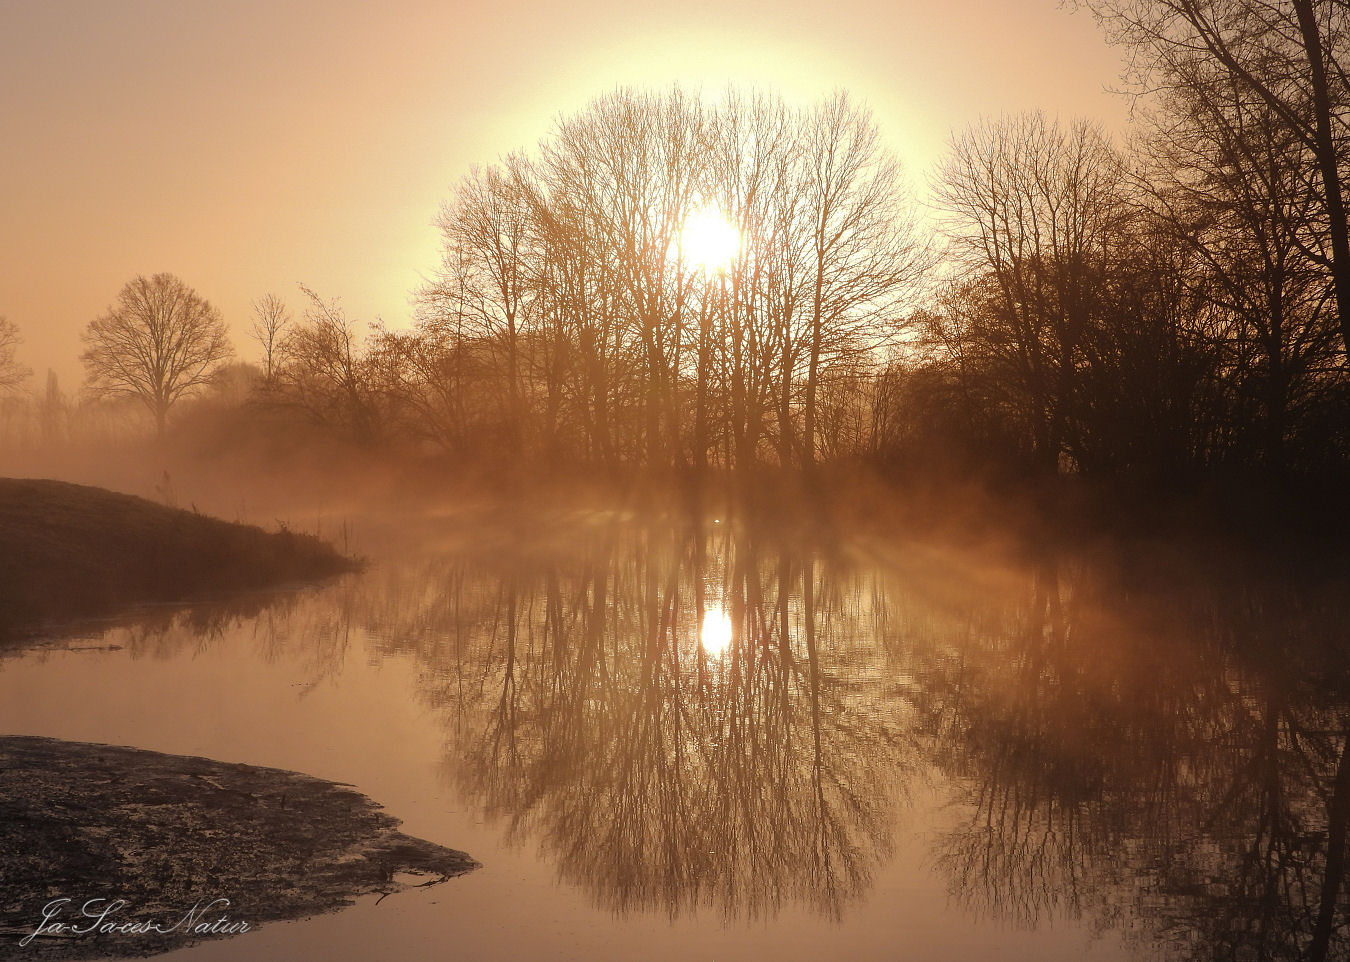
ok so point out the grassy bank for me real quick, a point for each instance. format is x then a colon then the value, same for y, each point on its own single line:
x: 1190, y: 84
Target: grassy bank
x: 70, y: 551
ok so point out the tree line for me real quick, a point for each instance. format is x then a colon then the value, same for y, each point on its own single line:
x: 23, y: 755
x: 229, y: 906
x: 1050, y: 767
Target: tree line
x: 1169, y: 309
x: 570, y: 320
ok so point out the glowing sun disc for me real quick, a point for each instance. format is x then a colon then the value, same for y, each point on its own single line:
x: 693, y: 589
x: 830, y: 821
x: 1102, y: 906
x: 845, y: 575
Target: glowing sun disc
x: 715, y: 634
x: 708, y: 240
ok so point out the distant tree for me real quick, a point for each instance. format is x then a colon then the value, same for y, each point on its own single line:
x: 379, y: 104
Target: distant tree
x: 12, y: 373
x: 53, y: 410
x: 158, y: 343
x: 324, y: 370
x: 270, y: 317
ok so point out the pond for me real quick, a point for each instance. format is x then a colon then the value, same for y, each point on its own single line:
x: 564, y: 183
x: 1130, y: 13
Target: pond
x: 676, y: 737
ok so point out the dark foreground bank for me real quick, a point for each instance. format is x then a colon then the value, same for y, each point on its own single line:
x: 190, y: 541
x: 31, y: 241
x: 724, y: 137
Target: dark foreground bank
x: 70, y: 551
x: 142, y: 847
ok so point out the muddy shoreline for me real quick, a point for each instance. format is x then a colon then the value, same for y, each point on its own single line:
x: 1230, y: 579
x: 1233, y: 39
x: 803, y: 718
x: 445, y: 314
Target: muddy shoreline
x: 162, y: 839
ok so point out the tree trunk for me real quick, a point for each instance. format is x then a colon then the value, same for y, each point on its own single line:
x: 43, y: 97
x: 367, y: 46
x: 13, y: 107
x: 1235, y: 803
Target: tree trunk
x: 1326, y: 161
x: 817, y: 308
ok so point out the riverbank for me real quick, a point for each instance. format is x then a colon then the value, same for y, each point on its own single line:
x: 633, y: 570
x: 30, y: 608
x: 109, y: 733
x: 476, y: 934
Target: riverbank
x: 71, y: 551
x: 109, y: 852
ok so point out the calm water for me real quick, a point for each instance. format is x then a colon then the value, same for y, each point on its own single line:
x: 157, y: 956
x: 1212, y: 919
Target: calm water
x: 717, y: 740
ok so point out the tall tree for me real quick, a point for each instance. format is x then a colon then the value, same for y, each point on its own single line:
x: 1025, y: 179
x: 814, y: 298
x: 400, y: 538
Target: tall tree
x: 270, y: 317
x: 633, y: 164
x: 158, y: 343
x: 1034, y: 209
x: 582, y: 268
x: 485, y: 275
x: 1229, y: 179
x: 864, y: 246
x: 1288, y: 55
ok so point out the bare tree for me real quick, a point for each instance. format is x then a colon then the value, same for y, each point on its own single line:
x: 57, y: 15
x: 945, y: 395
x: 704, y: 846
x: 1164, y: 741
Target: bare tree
x: 631, y: 165
x: 158, y: 343
x: 12, y: 373
x: 1288, y: 55
x: 1034, y: 211
x: 324, y: 370
x: 864, y: 246
x: 753, y: 317
x: 1230, y: 180
x: 270, y: 317
x: 485, y: 283
x: 573, y: 268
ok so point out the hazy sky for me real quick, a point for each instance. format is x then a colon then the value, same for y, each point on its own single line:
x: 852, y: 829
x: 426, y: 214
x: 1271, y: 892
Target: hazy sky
x: 248, y: 146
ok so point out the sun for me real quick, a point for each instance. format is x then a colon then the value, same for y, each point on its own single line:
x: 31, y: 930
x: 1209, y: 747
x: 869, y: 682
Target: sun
x: 715, y: 634
x: 708, y: 240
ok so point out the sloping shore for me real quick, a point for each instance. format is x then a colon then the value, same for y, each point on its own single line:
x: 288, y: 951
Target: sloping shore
x: 156, y: 836
x: 70, y: 551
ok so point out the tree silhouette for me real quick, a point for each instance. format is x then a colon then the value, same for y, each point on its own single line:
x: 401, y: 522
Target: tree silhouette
x: 566, y: 271
x: 270, y: 320
x: 12, y: 373
x: 1035, y: 210
x: 158, y: 343
x: 1286, y: 55
x: 322, y: 371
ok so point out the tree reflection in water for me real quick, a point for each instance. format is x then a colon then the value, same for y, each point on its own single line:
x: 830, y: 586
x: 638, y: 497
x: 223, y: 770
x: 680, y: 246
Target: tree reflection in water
x: 656, y: 771
x: 1164, y: 758
x: 1147, y: 747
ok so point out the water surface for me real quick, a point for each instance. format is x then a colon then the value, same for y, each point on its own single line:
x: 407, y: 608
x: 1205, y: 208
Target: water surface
x: 709, y: 738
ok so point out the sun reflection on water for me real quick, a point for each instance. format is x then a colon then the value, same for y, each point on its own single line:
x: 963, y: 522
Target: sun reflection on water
x: 715, y: 634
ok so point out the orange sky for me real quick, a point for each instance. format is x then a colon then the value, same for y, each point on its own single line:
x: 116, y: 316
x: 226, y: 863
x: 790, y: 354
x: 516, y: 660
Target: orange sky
x: 247, y: 146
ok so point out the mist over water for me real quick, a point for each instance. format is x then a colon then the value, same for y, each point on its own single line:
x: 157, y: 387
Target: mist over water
x: 745, y: 543
x: 710, y: 724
